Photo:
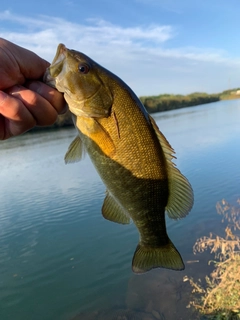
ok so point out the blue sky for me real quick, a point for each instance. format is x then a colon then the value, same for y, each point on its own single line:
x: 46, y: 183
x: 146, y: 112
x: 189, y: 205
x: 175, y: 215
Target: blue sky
x: 155, y: 46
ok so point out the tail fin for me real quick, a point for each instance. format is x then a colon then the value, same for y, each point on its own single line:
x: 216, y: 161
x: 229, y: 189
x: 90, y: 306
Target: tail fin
x: 147, y: 258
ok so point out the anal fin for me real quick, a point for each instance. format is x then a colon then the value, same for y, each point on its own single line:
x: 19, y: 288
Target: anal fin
x: 113, y: 211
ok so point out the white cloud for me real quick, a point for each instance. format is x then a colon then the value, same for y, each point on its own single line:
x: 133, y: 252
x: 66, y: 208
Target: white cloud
x: 137, y: 54
x: 98, y: 32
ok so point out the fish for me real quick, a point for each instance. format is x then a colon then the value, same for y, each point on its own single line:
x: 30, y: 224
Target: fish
x: 130, y: 153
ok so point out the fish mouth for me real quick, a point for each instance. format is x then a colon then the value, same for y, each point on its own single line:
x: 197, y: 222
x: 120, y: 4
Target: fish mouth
x: 60, y: 54
x: 56, y: 66
x: 48, y: 79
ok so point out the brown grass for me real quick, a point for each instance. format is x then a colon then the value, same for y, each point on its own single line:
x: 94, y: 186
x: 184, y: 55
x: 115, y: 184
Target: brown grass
x: 219, y: 297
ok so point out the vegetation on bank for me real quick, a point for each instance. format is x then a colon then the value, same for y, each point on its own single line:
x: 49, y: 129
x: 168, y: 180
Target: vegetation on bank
x: 218, y: 297
x: 230, y: 94
x: 165, y: 102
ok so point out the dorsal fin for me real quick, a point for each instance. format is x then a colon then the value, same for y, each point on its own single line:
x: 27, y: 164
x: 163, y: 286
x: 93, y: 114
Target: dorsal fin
x: 180, y: 199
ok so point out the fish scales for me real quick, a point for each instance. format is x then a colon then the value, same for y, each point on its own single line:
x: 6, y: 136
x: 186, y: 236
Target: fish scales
x: 131, y: 155
x: 136, y: 147
x: 145, y: 200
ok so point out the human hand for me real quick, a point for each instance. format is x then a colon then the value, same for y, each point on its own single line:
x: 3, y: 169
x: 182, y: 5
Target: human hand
x: 25, y: 101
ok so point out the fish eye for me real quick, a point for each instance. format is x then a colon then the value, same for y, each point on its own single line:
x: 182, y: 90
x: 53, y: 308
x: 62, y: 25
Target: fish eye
x: 83, y: 68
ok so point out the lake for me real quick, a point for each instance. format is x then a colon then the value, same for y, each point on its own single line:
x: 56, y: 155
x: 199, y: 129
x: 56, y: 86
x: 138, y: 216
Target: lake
x: 60, y: 260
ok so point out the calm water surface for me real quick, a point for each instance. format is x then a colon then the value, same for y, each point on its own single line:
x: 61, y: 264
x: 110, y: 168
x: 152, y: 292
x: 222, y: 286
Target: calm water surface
x: 60, y: 260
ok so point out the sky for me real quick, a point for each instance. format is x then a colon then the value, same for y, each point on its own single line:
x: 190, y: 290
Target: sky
x: 155, y: 46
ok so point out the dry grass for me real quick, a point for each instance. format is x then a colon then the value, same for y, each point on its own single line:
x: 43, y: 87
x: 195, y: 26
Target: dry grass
x: 219, y: 297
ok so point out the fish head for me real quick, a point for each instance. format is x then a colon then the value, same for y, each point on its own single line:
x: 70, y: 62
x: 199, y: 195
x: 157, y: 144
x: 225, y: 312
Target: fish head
x: 80, y: 79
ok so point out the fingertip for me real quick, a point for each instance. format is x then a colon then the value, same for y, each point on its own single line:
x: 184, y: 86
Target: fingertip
x: 15, y: 118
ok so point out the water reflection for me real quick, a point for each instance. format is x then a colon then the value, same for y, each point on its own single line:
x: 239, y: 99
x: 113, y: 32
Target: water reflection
x: 59, y: 259
x: 204, y: 127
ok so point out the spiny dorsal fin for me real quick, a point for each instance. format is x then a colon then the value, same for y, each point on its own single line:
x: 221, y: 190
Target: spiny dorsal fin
x: 112, y: 211
x: 180, y: 199
x: 76, y: 151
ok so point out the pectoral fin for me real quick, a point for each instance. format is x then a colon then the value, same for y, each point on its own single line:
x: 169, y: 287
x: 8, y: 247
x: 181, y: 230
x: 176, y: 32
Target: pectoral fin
x: 97, y: 133
x: 76, y: 151
x: 112, y: 211
x: 180, y: 199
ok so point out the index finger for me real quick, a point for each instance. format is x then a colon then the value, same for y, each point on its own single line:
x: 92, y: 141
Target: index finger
x: 19, y: 64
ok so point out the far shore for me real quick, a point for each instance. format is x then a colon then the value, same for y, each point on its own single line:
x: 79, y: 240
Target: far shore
x: 162, y: 102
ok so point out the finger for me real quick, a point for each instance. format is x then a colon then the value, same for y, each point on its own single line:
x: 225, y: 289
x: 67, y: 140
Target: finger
x: 54, y: 97
x: 30, y: 64
x: 40, y: 108
x: 15, y: 118
x: 19, y: 64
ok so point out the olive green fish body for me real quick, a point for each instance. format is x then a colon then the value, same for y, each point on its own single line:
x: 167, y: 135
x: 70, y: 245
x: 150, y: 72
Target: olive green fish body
x: 129, y: 152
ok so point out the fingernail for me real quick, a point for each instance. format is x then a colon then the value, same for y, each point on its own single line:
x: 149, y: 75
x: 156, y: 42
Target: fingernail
x: 35, y: 86
x: 14, y: 90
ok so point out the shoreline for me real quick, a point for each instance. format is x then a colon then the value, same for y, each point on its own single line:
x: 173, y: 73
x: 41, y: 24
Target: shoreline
x: 160, y: 103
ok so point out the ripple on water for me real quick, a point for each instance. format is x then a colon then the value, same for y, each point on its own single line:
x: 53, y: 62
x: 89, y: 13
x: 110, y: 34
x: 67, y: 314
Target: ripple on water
x: 58, y: 256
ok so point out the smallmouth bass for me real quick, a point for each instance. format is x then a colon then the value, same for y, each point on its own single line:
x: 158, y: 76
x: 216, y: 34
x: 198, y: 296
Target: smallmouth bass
x: 131, y: 155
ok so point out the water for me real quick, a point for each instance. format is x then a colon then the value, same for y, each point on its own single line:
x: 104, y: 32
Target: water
x: 59, y: 259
